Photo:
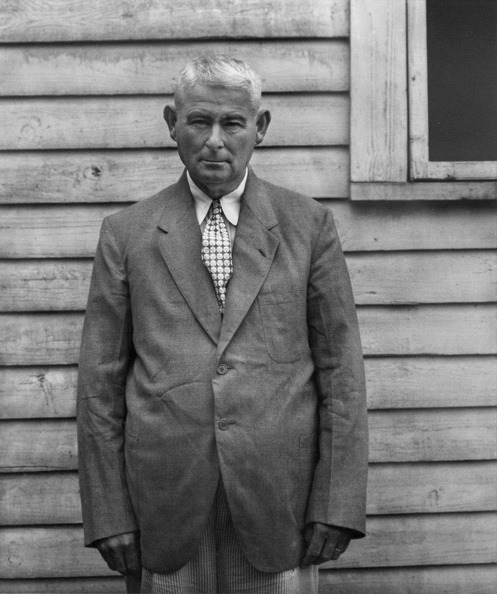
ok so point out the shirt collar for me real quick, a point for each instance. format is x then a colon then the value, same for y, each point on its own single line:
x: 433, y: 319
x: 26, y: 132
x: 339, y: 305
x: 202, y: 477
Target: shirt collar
x: 231, y: 202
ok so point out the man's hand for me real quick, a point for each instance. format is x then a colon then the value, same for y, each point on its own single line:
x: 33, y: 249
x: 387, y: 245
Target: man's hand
x: 122, y: 553
x: 324, y: 543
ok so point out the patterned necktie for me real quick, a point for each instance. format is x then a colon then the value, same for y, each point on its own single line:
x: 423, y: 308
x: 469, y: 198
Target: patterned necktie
x: 216, y: 252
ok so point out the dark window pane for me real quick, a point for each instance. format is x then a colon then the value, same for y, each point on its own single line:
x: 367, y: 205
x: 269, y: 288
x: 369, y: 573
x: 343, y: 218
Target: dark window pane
x: 462, y: 80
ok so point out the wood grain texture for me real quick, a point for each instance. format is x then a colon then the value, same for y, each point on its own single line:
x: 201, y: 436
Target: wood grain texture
x: 429, y: 330
x: 410, y: 580
x: 423, y: 277
x: 82, y: 585
x: 415, y: 225
x: 137, y: 122
x: 60, y: 231
x: 53, y: 497
x: 378, y: 90
x: 395, y: 436
x: 393, y: 541
x: 53, y: 338
x: 33, y: 339
x: 44, y: 285
x: 449, y: 190
x: 433, y: 435
x: 406, y: 580
x: 392, y: 383
x: 38, y: 446
x: 309, y: 65
x: 97, y: 20
x: 439, y: 487
x: 123, y: 176
x: 377, y: 279
x: 430, y: 382
x: 38, y: 392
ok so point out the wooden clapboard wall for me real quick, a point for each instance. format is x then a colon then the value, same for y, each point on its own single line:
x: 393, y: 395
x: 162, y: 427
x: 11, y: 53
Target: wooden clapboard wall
x: 81, y: 135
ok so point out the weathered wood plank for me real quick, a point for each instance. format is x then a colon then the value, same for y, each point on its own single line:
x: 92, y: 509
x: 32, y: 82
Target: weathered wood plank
x: 396, y: 436
x: 96, y: 20
x: 38, y: 392
x: 34, y: 446
x: 410, y: 580
x: 123, y: 176
x: 439, y: 487
x: 430, y: 382
x: 53, y: 497
x: 53, y: 338
x: 152, y: 68
x: 476, y: 190
x: 33, y: 339
x: 378, y: 90
x: 44, y: 285
x: 84, y: 585
x: 429, y: 330
x: 405, y: 580
x: 51, y: 231
x: 411, y: 225
x: 392, y: 383
x: 72, y: 231
x: 137, y: 122
x: 423, y: 277
x: 393, y: 541
x: 433, y: 435
x: 377, y: 279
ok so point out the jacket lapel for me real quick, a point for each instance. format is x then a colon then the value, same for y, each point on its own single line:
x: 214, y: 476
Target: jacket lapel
x: 253, y: 253
x: 180, y: 246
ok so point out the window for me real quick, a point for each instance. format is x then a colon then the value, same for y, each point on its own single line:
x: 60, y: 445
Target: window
x: 452, y: 48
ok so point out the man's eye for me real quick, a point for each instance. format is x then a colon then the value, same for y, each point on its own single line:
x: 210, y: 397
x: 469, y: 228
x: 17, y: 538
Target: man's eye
x: 233, y: 125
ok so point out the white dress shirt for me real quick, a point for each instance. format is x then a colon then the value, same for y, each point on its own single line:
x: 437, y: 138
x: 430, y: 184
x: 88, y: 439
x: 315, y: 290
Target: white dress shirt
x: 230, y: 204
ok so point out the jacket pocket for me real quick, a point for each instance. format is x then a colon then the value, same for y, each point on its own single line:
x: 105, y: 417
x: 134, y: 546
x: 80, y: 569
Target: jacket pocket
x: 284, y: 321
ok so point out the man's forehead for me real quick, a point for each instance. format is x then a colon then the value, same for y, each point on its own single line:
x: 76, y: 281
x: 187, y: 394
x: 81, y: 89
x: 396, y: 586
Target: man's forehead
x: 215, y: 98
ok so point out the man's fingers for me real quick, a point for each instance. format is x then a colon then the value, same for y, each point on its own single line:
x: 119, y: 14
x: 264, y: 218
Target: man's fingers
x: 315, y: 546
x: 132, y: 559
x: 121, y: 553
x: 325, y: 543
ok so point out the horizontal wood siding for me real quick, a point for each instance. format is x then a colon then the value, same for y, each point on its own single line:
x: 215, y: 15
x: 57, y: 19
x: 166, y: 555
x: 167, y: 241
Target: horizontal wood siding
x: 392, y: 382
x: 57, y: 552
x: 420, y: 277
x: 152, y: 68
x: 396, y: 488
x: 82, y: 136
x: 71, y: 231
x: 137, y: 122
x: 96, y: 20
x: 127, y: 176
x: 53, y: 338
x: 395, y: 436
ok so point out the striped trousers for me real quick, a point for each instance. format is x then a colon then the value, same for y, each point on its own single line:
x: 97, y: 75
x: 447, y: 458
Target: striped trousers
x: 220, y: 567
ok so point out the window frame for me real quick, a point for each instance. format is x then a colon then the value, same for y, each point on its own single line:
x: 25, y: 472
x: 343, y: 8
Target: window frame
x: 420, y: 167
x: 384, y: 42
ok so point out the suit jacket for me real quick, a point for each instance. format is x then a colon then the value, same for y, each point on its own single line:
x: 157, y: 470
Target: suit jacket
x: 172, y: 396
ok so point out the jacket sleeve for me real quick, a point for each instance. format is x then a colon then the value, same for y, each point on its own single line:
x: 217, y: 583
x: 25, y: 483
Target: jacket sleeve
x: 338, y: 494
x: 105, y: 356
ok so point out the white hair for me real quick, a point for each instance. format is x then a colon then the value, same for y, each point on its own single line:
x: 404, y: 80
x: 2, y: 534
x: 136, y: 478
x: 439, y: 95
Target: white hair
x: 219, y: 70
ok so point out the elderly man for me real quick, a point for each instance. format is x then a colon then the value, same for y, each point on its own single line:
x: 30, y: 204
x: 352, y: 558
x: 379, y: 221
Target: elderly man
x: 221, y: 405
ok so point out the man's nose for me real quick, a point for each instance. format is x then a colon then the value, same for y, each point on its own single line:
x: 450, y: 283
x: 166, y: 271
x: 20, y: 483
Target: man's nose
x: 215, y: 140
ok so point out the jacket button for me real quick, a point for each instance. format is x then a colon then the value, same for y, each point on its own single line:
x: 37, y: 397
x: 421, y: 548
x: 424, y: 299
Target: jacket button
x: 223, y: 424
x: 222, y: 369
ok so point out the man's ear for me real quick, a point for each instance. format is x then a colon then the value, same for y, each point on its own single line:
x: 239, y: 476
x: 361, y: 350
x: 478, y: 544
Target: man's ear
x: 262, y: 124
x: 171, y: 118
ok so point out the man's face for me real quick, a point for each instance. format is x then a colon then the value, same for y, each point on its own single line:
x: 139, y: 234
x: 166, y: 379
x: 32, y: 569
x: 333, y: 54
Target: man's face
x: 216, y: 130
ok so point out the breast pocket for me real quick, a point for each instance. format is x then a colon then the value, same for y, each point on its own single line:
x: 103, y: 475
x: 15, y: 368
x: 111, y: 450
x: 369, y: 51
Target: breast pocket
x: 284, y: 320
